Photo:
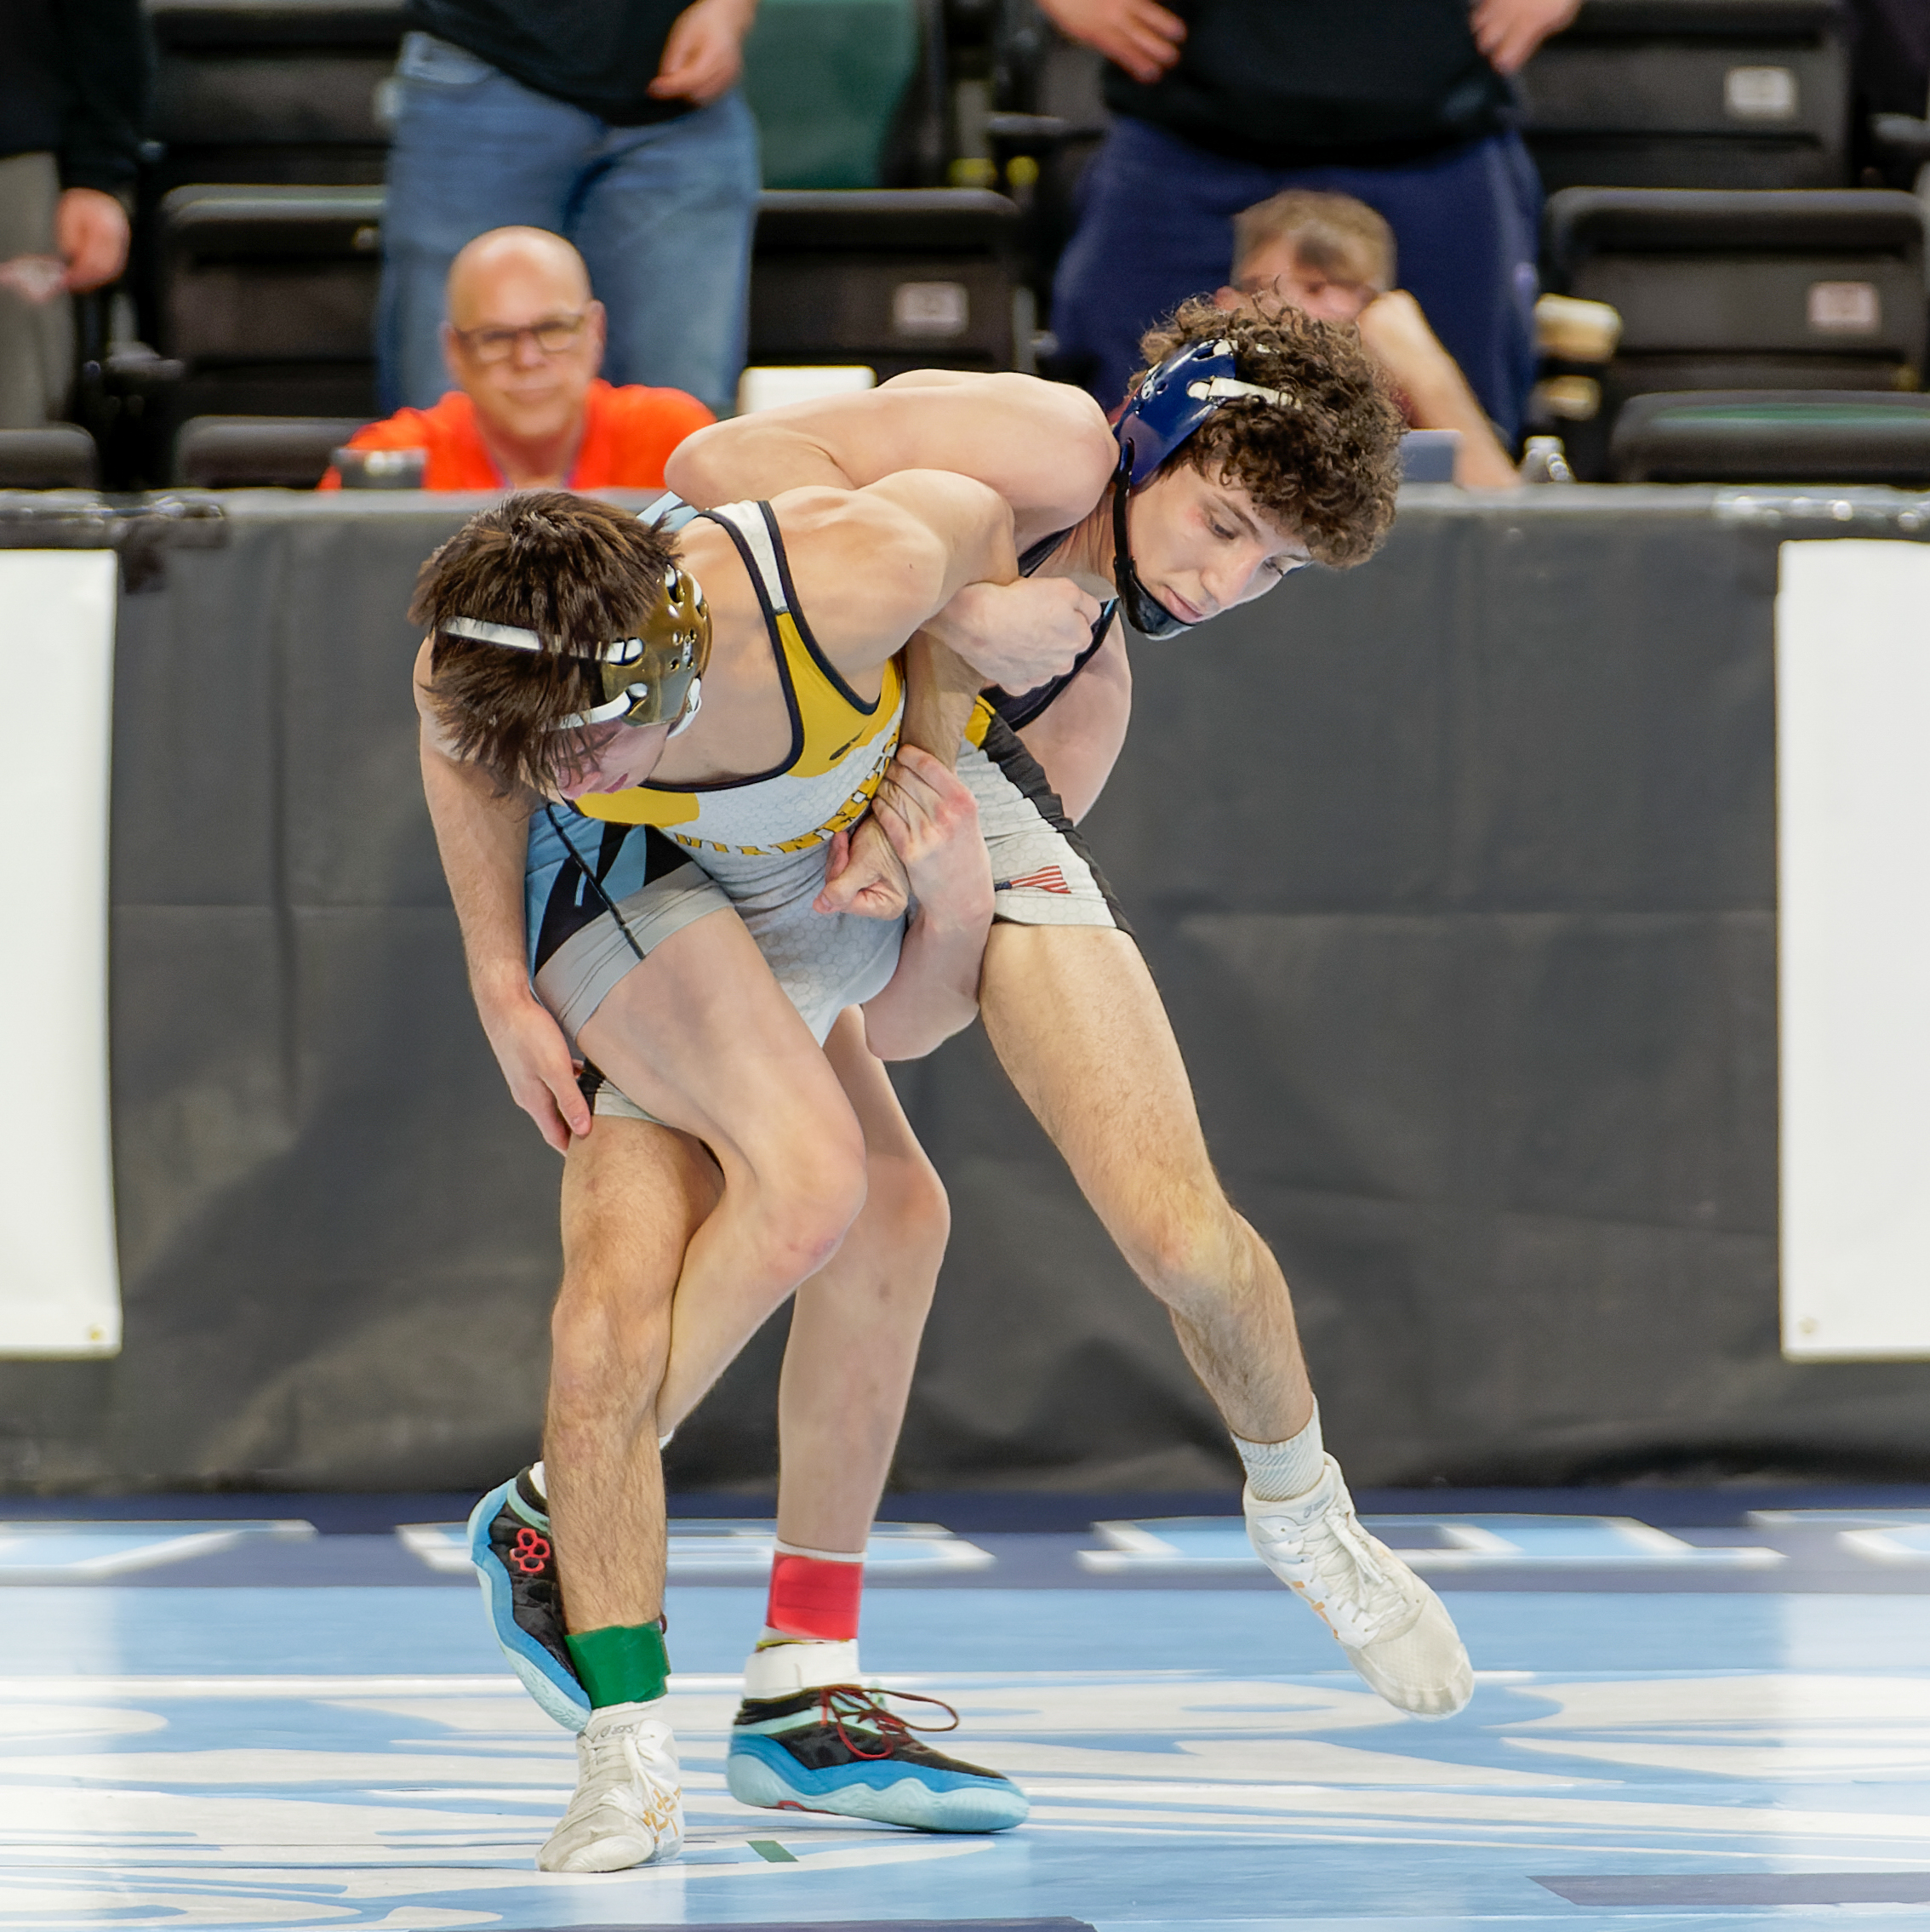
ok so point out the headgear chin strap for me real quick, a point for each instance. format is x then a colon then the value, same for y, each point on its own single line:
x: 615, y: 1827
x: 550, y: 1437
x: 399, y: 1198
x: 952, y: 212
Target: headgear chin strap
x: 1144, y: 611
x: 1172, y: 402
x: 655, y: 677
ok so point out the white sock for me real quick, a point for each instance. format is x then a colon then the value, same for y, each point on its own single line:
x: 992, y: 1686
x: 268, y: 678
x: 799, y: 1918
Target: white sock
x: 1277, y: 1472
x: 796, y: 1664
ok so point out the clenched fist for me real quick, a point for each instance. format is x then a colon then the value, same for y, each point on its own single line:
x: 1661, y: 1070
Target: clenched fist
x: 1018, y: 635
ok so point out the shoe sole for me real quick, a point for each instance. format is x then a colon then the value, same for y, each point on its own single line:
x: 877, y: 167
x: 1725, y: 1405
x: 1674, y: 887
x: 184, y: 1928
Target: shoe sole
x: 1454, y: 1690
x: 599, y: 1860
x: 562, y: 1697
x: 910, y: 1802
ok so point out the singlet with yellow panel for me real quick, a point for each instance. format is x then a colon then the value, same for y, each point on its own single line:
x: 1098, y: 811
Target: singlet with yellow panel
x: 614, y: 876
x: 840, y: 746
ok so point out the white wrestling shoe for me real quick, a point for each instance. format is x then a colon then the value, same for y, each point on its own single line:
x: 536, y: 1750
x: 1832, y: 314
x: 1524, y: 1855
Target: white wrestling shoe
x: 1395, y: 1631
x: 628, y: 1807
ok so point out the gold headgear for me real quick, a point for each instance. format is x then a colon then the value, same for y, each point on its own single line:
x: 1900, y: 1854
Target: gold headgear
x: 655, y: 677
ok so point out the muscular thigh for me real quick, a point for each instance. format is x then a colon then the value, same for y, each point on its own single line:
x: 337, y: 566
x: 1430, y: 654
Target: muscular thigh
x: 1077, y: 1023
x: 702, y: 1037
x: 699, y: 1001
x: 1043, y: 872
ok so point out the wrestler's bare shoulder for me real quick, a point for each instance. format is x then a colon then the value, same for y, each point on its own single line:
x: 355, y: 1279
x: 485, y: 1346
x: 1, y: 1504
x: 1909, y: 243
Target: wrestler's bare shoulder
x: 873, y: 564
x: 1045, y: 447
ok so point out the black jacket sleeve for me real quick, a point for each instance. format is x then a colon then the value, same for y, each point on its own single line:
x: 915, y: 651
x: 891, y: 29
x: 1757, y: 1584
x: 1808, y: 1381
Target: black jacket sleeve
x: 106, y: 57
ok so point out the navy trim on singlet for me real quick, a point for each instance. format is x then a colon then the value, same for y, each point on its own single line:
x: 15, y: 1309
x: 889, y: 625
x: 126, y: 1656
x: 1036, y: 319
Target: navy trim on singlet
x: 749, y: 558
x: 833, y: 676
x: 1023, y: 708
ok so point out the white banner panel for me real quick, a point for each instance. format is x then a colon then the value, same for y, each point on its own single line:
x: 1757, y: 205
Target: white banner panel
x: 1852, y: 765
x: 60, y: 1277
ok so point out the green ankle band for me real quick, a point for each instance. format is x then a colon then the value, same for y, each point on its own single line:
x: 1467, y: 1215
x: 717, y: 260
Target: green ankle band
x: 622, y: 1663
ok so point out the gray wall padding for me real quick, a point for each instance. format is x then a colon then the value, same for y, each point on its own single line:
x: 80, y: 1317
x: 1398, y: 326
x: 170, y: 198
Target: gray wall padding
x: 1458, y: 873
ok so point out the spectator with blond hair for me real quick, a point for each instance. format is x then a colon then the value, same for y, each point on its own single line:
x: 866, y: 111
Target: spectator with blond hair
x: 1333, y: 257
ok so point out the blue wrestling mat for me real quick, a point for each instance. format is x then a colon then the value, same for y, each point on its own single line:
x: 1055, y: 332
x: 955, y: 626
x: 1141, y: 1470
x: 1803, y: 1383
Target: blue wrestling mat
x: 228, y: 1722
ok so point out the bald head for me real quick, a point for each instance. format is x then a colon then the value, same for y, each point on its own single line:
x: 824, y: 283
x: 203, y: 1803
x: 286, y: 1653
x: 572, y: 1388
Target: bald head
x: 524, y: 341
x: 528, y: 270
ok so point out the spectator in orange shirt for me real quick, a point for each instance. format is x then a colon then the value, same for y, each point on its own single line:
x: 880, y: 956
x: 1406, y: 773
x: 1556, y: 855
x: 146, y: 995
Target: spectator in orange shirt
x: 524, y: 339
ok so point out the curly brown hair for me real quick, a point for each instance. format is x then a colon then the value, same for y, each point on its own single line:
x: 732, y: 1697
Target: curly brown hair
x: 1327, y: 468
x: 575, y: 570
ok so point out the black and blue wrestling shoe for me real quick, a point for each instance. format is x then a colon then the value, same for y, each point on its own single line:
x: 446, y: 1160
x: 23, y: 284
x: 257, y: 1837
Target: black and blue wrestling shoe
x: 515, y: 1557
x: 837, y: 1749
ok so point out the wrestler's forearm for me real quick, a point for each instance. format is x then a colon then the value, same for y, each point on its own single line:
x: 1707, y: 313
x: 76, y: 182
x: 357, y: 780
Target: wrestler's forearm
x: 483, y: 840
x: 934, y: 993
x: 1044, y: 447
x: 940, y: 689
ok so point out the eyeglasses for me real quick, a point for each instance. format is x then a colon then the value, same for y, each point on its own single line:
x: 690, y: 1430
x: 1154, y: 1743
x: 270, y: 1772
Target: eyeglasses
x: 552, y: 336
x: 1360, y: 292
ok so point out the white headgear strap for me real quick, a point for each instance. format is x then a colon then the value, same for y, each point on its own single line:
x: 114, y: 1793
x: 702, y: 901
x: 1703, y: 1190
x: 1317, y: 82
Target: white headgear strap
x: 1225, y: 388
x: 513, y: 636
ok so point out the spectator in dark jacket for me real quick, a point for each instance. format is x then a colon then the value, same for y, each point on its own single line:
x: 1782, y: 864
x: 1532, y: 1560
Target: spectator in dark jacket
x: 73, y: 90
x: 1404, y: 104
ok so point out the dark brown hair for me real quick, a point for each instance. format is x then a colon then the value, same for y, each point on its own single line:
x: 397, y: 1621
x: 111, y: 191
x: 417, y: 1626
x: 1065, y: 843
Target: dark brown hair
x: 1332, y: 234
x: 577, y: 572
x: 1328, y: 467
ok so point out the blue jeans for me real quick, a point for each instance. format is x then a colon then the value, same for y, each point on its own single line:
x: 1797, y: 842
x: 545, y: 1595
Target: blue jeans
x: 663, y: 215
x: 1155, y: 225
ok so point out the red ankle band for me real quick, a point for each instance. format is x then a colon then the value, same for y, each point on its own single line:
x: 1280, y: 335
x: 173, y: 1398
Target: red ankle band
x: 812, y: 1598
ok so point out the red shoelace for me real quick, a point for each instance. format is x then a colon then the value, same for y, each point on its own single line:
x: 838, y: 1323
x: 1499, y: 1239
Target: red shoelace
x: 839, y: 1702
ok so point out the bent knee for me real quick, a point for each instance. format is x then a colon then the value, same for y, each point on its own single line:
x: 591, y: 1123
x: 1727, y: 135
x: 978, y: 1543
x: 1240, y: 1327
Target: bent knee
x: 804, y: 1208
x: 1184, y: 1244
x: 909, y: 1208
x: 600, y: 1338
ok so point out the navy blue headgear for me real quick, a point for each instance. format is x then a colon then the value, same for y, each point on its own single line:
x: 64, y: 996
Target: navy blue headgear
x: 1172, y: 401
x: 1175, y: 398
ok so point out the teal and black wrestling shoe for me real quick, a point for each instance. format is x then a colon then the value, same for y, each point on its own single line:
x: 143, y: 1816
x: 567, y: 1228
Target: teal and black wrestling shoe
x: 837, y: 1749
x: 515, y: 1557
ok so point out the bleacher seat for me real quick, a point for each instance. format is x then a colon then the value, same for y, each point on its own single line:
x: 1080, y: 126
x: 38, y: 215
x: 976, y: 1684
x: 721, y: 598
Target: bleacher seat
x: 914, y: 278
x: 1051, y: 121
x: 1774, y: 437
x: 60, y: 456
x: 270, y: 90
x: 1903, y: 143
x: 1822, y: 290
x: 258, y: 452
x: 1710, y: 93
x: 267, y: 296
x: 848, y: 93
